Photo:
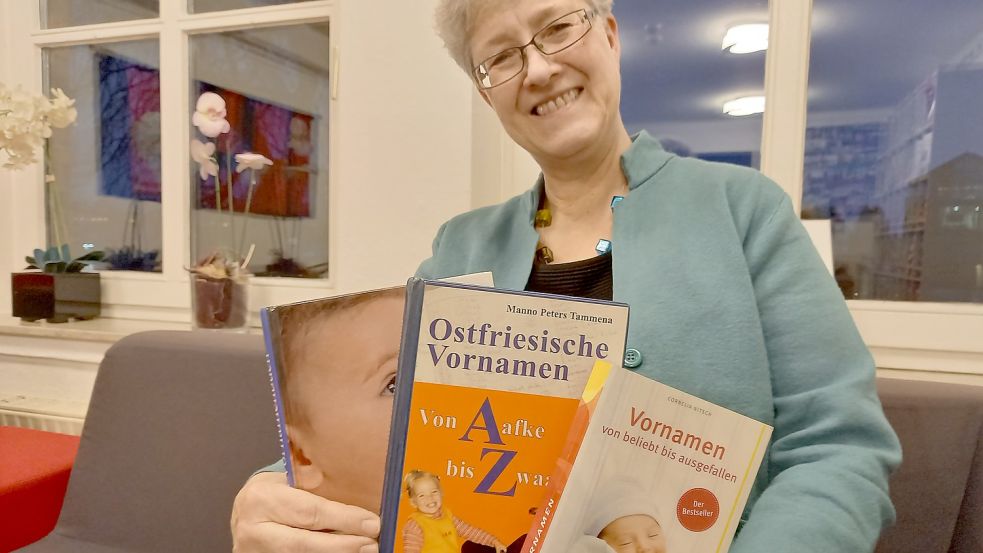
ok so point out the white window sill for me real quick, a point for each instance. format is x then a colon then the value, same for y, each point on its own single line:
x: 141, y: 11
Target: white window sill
x: 100, y: 329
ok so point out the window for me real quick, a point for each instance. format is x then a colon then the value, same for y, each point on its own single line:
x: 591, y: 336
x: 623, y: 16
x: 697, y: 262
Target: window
x: 275, y: 84
x: 123, y: 179
x: 73, y: 13
x: 894, y: 148
x: 204, y: 6
x: 683, y: 87
x: 387, y: 193
x: 106, y: 192
x: 874, y: 92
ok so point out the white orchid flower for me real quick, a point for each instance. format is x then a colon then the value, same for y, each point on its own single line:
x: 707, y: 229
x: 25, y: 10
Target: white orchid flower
x: 61, y: 111
x: 26, y: 121
x: 249, y: 160
x: 204, y: 154
x: 210, y: 114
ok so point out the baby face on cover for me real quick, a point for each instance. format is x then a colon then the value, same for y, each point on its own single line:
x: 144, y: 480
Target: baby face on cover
x: 342, y: 382
x: 623, y: 516
x: 634, y: 534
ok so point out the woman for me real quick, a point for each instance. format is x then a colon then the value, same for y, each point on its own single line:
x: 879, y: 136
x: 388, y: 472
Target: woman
x: 729, y: 300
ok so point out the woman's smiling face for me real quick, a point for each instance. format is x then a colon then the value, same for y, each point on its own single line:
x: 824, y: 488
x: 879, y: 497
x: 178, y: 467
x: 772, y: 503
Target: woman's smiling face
x: 560, y: 104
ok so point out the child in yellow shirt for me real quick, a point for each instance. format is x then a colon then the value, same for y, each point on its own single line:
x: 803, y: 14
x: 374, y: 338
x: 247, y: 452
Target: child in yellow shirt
x: 433, y: 528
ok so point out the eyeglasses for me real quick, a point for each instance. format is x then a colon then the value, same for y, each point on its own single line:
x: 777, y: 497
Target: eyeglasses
x: 555, y: 37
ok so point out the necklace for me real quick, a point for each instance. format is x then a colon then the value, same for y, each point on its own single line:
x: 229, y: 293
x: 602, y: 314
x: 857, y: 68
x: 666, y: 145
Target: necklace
x: 544, y: 218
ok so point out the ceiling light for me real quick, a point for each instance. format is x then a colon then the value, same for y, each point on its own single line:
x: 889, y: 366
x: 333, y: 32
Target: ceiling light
x: 748, y: 105
x: 744, y: 39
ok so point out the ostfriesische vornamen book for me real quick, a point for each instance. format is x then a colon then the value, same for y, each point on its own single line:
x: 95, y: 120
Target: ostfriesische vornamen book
x: 488, y: 384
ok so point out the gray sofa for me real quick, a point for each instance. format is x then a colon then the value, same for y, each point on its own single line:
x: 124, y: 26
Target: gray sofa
x: 938, y: 490
x: 178, y: 420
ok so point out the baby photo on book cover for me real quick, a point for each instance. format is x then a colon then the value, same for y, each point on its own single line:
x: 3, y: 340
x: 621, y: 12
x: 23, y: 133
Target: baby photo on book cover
x: 621, y: 518
x: 334, y: 382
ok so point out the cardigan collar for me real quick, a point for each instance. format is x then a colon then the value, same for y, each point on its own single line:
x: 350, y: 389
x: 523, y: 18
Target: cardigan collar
x: 643, y: 159
x: 640, y: 162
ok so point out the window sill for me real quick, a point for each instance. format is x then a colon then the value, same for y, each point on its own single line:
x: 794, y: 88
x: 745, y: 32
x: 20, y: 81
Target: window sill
x: 100, y: 329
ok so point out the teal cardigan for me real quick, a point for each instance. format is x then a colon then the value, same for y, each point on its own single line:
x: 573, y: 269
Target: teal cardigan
x: 730, y: 302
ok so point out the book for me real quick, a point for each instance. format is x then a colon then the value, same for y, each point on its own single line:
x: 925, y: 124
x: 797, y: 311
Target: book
x: 488, y: 384
x: 332, y: 364
x: 649, y: 468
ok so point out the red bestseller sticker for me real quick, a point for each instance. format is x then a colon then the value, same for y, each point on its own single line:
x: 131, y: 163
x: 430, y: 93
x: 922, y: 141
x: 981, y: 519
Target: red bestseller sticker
x: 697, y: 509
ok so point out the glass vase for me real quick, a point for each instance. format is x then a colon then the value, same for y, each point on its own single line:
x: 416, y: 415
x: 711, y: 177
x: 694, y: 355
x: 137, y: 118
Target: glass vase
x: 220, y: 303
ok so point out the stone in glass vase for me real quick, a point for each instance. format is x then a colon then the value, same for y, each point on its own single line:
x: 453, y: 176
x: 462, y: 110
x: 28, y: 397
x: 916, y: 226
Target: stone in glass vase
x: 220, y: 295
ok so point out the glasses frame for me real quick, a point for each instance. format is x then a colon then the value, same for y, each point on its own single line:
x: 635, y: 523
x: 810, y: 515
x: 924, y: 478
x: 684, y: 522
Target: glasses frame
x: 587, y: 16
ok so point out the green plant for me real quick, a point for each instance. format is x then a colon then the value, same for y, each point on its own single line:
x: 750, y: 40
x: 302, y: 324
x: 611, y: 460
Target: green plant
x: 59, y: 260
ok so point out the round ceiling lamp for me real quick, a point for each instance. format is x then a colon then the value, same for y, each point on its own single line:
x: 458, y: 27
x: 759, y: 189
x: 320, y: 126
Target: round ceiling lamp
x: 748, y: 105
x: 744, y: 39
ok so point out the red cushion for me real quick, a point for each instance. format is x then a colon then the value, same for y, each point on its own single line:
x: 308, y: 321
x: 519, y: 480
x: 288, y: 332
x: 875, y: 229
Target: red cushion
x: 34, y: 470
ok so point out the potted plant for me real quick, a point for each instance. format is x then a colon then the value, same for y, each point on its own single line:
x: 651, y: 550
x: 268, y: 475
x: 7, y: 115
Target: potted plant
x: 220, y: 280
x: 55, y: 287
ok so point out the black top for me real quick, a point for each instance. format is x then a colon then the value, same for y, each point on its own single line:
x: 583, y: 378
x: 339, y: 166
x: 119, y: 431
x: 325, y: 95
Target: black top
x: 587, y: 278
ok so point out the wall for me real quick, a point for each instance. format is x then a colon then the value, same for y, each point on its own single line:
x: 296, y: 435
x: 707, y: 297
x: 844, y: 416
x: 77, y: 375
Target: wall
x: 7, y: 246
x: 404, y: 141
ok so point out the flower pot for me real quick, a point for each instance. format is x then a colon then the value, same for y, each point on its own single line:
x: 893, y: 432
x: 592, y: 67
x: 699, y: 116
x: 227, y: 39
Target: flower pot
x: 56, y: 297
x: 220, y: 303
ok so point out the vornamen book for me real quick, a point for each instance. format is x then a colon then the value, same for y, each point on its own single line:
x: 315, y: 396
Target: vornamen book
x: 655, y: 469
x: 332, y: 366
x: 488, y: 384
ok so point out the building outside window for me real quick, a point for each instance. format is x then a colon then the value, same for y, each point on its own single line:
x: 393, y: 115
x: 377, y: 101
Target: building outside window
x: 894, y: 147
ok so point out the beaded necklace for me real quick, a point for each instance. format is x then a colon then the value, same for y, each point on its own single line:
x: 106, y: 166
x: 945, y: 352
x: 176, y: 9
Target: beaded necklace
x: 544, y: 218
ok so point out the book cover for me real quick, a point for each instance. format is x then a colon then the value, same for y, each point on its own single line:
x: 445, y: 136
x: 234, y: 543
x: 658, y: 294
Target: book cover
x: 649, y: 468
x: 488, y: 384
x: 332, y: 365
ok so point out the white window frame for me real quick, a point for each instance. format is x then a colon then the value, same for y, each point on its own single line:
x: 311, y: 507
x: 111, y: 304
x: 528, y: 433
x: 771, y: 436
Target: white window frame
x: 911, y: 339
x: 907, y: 338
x: 163, y: 296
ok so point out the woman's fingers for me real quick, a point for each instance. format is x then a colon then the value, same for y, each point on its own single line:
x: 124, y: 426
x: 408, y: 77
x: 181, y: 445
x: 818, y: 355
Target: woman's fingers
x: 269, y: 515
x: 271, y: 537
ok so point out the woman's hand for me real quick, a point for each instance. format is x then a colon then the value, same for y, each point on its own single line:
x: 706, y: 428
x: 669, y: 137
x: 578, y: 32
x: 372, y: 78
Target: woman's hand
x: 270, y: 516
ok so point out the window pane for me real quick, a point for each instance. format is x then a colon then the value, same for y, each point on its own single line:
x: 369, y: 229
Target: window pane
x: 894, y: 147
x: 676, y: 77
x: 274, y: 84
x: 70, y: 13
x: 106, y: 194
x: 202, y: 6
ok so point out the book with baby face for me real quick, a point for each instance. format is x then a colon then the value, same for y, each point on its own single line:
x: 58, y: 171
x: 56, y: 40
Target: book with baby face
x: 332, y: 364
x: 488, y: 384
x: 649, y: 468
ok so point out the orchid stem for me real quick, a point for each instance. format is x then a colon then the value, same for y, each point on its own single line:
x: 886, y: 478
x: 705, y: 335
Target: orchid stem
x: 228, y: 175
x: 54, y: 203
x: 279, y: 238
x: 218, y: 194
x: 249, y: 200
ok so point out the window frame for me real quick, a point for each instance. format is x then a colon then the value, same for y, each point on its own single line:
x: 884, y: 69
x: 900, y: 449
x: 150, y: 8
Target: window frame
x: 913, y: 338
x: 163, y: 296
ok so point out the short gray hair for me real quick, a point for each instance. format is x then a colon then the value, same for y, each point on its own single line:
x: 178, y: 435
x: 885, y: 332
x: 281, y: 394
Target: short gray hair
x: 454, y: 21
